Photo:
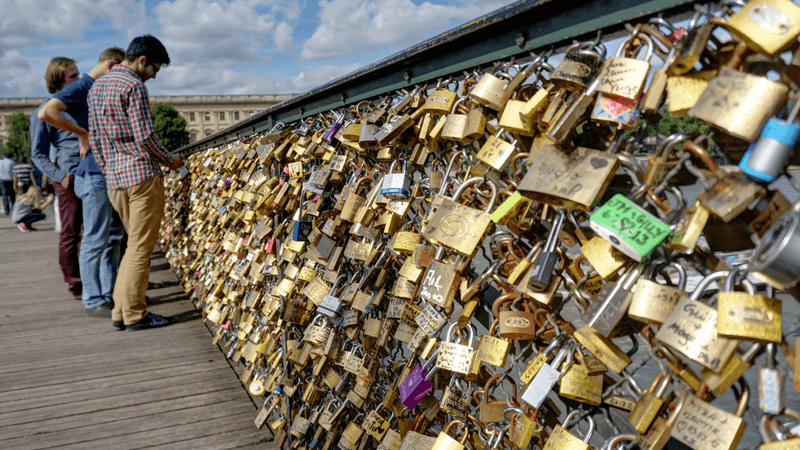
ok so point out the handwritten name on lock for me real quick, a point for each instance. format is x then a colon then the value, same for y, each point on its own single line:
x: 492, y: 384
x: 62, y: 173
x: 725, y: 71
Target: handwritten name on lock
x: 701, y: 425
x: 577, y: 177
x: 455, y: 357
x: 623, y: 76
x: 316, y: 290
x: 692, y: 330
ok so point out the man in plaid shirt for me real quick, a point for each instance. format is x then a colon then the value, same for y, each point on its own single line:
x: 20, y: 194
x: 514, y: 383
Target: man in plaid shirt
x: 123, y: 141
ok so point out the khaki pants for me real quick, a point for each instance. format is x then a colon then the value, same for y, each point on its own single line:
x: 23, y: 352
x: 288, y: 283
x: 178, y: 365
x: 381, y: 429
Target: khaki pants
x: 141, y: 208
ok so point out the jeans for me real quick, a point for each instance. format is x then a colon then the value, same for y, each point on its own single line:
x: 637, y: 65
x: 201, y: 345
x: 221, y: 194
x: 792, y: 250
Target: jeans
x: 102, y: 233
x: 35, y: 216
x: 9, y: 196
x: 69, y: 207
x: 141, y: 209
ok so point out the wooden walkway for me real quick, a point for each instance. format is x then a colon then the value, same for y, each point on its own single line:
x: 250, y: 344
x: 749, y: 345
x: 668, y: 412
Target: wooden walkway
x: 70, y: 381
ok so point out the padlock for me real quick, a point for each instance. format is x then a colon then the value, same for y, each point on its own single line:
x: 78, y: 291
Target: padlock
x: 767, y: 158
x: 396, y: 185
x: 625, y: 77
x: 536, y: 363
x: 739, y: 103
x: 547, y: 376
x: 767, y: 26
x: 490, y: 91
x: 653, y: 302
x: 701, y: 425
x: 771, y: 385
x: 493, y: 411
x: 690, y: 48
x: 516, y: 325
x: 496, y: 152
x: 563, y: 439
x: 691, y: 329
x: 456, y: 400
x: 445, y: 442
x: 649, y: 406
x: 575, y: 181
x: 732, y: 371
x: 611, y: 303
x: 544, y: 264
x: 746, y: 315
x: 441, y: 100
x: 579, y: 67
x: 491, y: 349
x: 631, y: 229
x: 456, y: 357
x: 578, y: 385
x: 459, y: 227
x: 776, y: 258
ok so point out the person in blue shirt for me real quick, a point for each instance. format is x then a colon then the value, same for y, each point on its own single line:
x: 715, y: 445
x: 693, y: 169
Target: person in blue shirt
x: 61, y: 72
x: 6, y: 182
x: 102, y: 226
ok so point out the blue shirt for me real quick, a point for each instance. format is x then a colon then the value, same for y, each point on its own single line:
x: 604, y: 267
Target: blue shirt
x: 74, y: 97
x: 68, y: 155
x: 7, y: 169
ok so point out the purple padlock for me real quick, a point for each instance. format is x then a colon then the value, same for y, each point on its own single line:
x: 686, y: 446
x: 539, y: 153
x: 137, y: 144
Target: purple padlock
x: 414, y: 387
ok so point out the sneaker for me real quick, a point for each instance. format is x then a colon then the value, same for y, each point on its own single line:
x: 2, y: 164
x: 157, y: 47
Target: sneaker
x: 118, y: 325
x: 22, y: 227
x: 151, y: 321
x: 103, y: 310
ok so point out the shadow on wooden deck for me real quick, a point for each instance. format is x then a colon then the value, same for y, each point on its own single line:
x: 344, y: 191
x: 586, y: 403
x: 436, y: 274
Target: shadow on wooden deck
x: 70, y: 381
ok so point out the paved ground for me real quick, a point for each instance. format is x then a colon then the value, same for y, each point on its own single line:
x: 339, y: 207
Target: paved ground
x: 70, y: 381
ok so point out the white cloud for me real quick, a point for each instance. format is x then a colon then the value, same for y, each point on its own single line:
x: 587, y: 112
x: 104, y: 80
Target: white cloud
x: 283, y: 37
x: 225, y: 31
x: 349, y: 26
x: 21, y: 76
x: 196, y: 78
x: 320, y: 75
x: 31, y: 22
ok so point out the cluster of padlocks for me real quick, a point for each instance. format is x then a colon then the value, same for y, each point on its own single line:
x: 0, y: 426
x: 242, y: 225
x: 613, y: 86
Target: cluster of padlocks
x: 460, y: 265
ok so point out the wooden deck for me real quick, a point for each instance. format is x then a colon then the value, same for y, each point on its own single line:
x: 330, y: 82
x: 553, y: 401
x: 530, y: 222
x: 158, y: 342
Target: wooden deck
x: 70, y: 381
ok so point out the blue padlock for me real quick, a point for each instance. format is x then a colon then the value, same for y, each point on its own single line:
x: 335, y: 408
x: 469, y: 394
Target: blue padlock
x: 768, y: 157
x: 302, y: 228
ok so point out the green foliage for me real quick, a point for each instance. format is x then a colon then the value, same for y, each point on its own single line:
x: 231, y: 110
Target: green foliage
x: 19, y: 137
x: 170, y: 127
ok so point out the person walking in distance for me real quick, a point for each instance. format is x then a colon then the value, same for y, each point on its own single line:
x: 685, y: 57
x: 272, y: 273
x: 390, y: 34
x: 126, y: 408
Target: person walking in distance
x: 102, y: 227
x: 123, y: 140
x: 6, y: 182
x: 61, y: 72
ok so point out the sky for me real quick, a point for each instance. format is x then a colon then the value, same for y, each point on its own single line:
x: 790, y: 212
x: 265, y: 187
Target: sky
x: 222, y: 47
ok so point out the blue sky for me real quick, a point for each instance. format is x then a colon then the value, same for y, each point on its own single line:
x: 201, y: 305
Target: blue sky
x: 222, y: 46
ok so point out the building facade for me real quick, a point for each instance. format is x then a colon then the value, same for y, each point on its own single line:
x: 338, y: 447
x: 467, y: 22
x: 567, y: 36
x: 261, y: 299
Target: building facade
x: 204, y: 114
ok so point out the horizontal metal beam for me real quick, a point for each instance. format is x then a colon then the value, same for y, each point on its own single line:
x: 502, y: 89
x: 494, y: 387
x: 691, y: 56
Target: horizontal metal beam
x: 514, y: 30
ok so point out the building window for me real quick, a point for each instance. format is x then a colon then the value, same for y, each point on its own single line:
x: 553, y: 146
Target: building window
x: 236, y: 115
x: 193, y: 137
x: 208, y: 117
x: 192, y: 118
x: 222, y: 116
x: 209, y: 133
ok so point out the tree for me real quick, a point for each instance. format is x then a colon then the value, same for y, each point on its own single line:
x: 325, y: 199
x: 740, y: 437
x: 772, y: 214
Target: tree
x: 19, y: 136
x: 170, y: 127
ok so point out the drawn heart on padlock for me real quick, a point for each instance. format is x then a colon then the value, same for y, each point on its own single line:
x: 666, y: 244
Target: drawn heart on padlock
x: 598, y: 163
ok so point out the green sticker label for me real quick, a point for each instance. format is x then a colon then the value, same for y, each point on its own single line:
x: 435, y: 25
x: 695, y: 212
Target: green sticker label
x: 630, y: 225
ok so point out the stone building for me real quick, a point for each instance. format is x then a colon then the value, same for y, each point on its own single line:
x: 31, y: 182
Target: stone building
x: 204, y: 114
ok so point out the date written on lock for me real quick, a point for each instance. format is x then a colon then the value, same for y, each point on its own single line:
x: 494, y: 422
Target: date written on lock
x: 628, y: 227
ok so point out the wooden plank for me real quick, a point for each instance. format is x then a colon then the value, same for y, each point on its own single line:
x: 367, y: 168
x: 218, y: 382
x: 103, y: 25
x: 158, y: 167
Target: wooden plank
x: 70, y: 381
x: 216, y: 434
x: 120, y: 429
x: 132, y: 411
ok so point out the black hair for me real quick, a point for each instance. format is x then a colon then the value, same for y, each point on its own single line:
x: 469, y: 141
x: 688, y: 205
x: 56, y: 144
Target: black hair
x: 148, y: 46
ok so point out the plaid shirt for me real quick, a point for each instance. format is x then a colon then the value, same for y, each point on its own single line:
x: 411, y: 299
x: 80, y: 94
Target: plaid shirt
x: 121, y: 132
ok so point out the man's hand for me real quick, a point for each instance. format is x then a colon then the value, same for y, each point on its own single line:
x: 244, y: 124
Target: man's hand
x: 65, y: 182
x: 177, y: 162
x: 83, y: 142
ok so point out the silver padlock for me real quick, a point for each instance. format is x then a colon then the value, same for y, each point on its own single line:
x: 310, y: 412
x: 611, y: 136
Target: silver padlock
x: 776, y: 258
x: 397, y: 185
x: 771, y: 385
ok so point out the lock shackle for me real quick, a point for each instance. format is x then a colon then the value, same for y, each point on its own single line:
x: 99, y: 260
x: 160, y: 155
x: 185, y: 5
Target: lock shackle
x: 645, y: 38
x: 633, y: 384
x: 730, y: 280
x: 613, y: 441
x: 705, y: 282
x: 682, y: 277
x: 744, y: 397
x: 588, y: 418
x: 478, y: 181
